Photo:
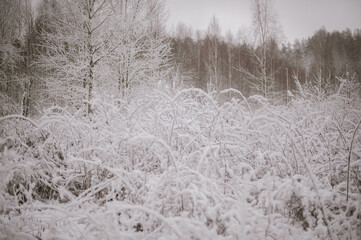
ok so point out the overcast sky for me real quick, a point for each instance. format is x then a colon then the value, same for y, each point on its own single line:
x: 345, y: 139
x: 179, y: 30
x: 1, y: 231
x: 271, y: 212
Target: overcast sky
x: 298, y: 18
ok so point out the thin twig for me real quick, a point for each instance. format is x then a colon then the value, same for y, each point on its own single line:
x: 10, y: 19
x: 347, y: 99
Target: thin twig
x: 19, y: 117
x: 349, y: 160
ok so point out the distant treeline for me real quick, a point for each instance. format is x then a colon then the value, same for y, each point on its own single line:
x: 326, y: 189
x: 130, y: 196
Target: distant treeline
x: 322, y: 57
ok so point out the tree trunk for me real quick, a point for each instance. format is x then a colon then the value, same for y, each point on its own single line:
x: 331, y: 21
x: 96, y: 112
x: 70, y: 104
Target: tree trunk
x: 91, y: 57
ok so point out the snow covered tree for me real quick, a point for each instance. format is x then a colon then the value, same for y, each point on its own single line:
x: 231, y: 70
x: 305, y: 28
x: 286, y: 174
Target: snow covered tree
x: 213, y: 33
x: 142, y: 55
x: 265, y: 29
x: 230, y: 43
x: 16, y: 24
x: 72, y: 44
x: 99, y: 46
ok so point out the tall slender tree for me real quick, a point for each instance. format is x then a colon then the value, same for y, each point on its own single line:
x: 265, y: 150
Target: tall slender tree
x: 230, y: 42
x: 72, y: 44
x: 143, y: 53
x: 265, y: 29
x: 213, y: 34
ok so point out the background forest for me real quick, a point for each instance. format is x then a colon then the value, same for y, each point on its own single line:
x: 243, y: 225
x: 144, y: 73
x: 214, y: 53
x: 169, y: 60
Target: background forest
x: 113, y: 127
x: 235, y: 61
x: 63, y: 53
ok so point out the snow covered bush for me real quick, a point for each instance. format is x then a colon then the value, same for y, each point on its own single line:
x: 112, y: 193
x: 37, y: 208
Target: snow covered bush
x: 178, y: 164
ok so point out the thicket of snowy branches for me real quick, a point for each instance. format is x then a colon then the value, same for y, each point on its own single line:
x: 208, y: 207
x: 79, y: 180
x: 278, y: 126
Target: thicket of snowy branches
x: 184, y: 164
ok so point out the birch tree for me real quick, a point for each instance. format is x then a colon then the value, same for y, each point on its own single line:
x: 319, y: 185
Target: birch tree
x: 213, y: 33
x: 97, y: 46
x: 264, y: 29
x: 229, y: 41
x: 144, y: 48
x: 73, y: 44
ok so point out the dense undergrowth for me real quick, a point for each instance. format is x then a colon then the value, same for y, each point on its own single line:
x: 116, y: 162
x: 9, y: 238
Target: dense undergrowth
x: 181, y: 165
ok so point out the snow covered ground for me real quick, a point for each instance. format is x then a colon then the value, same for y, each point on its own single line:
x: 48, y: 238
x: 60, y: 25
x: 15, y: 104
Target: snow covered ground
x: 178, y: 164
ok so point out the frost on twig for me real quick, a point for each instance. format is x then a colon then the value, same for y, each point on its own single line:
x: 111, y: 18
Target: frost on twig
x: 181, y: 165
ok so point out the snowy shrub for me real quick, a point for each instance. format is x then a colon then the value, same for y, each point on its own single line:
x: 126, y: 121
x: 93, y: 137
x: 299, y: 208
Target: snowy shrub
x: 8, y: 105
x: 171, y: 164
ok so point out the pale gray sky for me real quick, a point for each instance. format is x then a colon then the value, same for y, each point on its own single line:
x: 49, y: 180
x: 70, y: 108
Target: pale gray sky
x: 298, y: 18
